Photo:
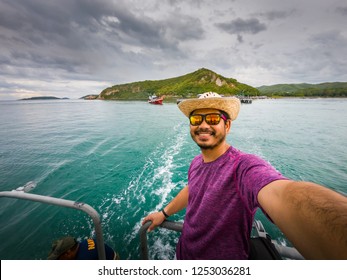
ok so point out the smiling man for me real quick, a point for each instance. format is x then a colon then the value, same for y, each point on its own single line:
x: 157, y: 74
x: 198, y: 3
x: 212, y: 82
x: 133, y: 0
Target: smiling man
x: 226, y: 187
x: 208, y: 137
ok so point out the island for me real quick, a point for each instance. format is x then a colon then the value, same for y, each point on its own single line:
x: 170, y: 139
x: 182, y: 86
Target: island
x: 202, y: 80
x: 43, y: 98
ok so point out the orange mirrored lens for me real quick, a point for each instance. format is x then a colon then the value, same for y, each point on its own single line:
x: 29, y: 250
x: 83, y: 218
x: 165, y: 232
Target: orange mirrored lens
x: 212, y: 119
x: 195, y: 120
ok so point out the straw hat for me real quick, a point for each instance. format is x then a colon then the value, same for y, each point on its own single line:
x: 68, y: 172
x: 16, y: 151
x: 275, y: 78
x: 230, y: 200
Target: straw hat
x: 211, y: 100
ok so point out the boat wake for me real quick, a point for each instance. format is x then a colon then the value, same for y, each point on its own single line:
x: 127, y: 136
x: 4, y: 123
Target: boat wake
x: 154, y: 186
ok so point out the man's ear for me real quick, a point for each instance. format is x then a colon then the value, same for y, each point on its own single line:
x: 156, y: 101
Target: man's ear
x: 228, y: 125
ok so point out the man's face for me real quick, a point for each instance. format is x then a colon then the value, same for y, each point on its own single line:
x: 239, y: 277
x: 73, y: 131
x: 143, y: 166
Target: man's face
x: 209, y: 136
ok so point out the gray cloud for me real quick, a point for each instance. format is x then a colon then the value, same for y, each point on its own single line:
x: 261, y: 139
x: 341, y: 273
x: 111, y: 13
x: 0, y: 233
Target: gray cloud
x: 72, y: 36
x: 239, y: 25
x: 184, y: 28
x: 84, y: 45
x: 239, y: 38
x: 342, y: 10
x: 277, y: 14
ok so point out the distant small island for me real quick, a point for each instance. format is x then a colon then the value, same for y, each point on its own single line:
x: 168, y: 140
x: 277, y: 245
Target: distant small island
x: 90, y: 97
x: 43, y: 98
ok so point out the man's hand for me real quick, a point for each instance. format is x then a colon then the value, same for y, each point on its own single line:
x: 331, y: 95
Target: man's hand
x: 157, y: 219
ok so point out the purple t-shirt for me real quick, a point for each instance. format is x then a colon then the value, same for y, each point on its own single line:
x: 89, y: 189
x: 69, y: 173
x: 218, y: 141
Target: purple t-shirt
x: 222, y: 204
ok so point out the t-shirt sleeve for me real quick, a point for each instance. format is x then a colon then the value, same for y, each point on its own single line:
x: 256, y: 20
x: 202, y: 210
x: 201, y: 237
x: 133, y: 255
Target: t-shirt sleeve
x: 252, y: 174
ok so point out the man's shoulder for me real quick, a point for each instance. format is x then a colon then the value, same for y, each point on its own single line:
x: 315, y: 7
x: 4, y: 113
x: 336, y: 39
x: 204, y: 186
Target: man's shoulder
x: 238, y: 155
x: 244, y: 155
x: 197, y: 158
x: 245, y: 159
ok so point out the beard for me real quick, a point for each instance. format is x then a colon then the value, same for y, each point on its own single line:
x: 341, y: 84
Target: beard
x: 219, y: 138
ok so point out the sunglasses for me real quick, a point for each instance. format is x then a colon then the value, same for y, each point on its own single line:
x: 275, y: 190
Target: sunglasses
x: 210, y: 119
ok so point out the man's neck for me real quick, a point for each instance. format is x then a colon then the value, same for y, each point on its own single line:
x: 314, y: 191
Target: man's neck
x: 209, y: 155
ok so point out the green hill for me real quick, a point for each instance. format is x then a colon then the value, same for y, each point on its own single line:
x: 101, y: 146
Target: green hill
x: 185, y: 86
x: 338, y: 89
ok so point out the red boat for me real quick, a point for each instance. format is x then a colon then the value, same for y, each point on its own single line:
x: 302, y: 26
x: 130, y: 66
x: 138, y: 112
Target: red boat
x: 155, y: 100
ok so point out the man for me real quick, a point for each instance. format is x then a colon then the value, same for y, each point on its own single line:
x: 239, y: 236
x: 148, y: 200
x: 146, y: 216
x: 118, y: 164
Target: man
x: 68, y: 248
x: 226, y: 186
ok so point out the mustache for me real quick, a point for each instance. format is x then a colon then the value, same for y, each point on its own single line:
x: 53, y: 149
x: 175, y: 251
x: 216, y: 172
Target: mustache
x: 204, y: 130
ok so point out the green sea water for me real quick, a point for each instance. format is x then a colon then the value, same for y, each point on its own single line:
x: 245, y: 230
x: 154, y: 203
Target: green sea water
x: 127, y: 159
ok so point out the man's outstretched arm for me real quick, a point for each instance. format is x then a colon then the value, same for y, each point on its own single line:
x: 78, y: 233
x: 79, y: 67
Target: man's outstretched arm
x: 313, y: 217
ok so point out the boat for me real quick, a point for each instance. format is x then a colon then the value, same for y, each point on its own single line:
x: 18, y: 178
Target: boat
x: 245, y: 99
x: 153, y: 99
x: 262, y: 246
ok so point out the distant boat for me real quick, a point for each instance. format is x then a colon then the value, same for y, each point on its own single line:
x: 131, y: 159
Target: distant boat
x: 155, y: 100
x: 244, y: 99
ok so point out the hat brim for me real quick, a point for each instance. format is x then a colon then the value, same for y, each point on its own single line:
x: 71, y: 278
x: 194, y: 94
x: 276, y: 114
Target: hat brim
x: 230, y: 105
x: 60, y: 246
x: 55, y: 253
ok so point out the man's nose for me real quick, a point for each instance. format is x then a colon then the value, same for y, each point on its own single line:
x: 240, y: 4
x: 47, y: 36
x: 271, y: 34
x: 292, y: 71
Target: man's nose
x: 204, y: 124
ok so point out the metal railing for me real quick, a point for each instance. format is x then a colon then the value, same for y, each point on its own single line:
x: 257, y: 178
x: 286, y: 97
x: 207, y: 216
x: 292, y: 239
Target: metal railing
x: 21, y: 194
x: 284, y: 251
x: 175, y: 226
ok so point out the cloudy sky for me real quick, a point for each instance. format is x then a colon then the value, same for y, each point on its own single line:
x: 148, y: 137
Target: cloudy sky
x: 71, y: 48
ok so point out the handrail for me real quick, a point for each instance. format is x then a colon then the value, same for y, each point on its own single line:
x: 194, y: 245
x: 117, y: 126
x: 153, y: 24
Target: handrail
x: 175, y: 226
x: 284, y: 251
x: 20, y: 194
